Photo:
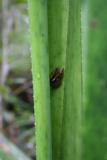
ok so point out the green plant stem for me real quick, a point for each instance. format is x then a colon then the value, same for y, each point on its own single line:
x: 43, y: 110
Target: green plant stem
x: 58, y: 21
x: 72, y: 115
x: 64, y: 23
x: 40, y: 72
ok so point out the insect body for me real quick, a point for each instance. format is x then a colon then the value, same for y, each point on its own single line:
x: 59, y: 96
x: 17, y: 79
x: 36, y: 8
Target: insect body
x: 56, y: 77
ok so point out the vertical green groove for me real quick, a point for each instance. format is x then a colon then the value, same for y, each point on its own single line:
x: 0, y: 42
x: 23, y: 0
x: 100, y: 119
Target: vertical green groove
x: 57, y: 24
x: 72, y: 115
x: 40, y: 72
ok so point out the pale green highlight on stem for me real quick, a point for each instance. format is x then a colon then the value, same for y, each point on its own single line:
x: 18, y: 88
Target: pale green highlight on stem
x: 40, y: 72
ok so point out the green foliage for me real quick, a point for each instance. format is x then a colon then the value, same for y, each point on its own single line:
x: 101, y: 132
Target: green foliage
x: 17, y: 1
x: 96, y: 108
x: 5, y: 156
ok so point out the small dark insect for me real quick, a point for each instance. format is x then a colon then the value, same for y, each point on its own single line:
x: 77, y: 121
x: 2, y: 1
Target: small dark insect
x: 56, y: 77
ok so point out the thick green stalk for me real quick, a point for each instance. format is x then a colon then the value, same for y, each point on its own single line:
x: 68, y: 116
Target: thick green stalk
x: 40, y: 72
x: 66, y: 101
x: 72, y: 114
x: 58, y: 21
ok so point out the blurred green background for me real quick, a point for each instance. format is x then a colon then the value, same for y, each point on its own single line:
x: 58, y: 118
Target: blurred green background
x: 96, y: 108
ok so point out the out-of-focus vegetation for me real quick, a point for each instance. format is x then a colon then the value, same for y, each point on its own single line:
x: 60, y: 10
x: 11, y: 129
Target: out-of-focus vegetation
x: 5, y: 156
x: 96, y: 109
x: 16, y: 89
